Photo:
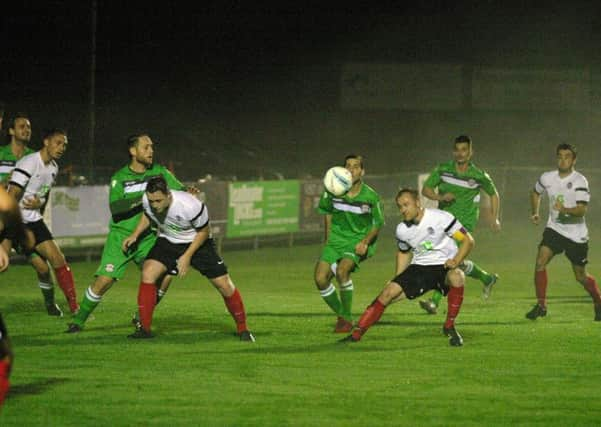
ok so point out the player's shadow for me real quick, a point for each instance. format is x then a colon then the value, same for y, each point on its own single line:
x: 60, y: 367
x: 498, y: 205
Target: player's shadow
x: 34, y: 388
x: 23, y: 306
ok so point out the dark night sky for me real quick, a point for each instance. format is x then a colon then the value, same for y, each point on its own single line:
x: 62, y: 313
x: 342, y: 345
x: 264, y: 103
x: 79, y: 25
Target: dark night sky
x: 164, y: 67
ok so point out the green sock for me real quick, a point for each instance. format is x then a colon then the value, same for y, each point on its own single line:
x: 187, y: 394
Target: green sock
x: 346, y: 297
x: 436, y: 297
x: 330, y: 296
x: 474, y: 271
x: 48, y: 293
x: 87, y: 306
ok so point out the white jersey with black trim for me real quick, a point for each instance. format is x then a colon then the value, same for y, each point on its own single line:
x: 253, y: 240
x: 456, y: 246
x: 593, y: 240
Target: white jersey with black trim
x: 35, y: 178
x: 430, y: 240
x: 570, y: 190
x: 185, y: 216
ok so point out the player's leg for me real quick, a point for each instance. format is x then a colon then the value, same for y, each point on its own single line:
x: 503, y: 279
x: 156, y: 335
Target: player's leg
x: 45, y: 284
x: 234, y: 304
x: 344, y: 269
x: 431, y: 304
x: 90, y: 301
x: 391, y: 292
x: 6, y: 360
x: 64, y: 276
x: 577, y: 253
x: 163, y: 288
x: 455, y: 280
x: 210, y: 264
x: 323, y: 280
x: 543, y: 257
x: 147, y: 295
x: 473, y: 270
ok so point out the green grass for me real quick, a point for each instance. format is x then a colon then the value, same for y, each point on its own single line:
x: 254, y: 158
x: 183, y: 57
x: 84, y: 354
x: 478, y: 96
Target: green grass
x: 511, y: 371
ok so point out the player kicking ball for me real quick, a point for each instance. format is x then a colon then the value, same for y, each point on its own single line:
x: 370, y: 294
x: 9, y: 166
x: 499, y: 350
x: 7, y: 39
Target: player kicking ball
x: 429, y: 258
x: 184, y: 240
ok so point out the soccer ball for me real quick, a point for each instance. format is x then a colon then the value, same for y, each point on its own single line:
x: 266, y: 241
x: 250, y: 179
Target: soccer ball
x: 338, y: 180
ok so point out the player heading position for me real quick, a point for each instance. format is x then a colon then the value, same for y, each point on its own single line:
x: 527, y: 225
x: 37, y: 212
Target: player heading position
x: 184, y: 240
x: 432, y: 245
x: 30, y: 184
x: 566, y: 231
x: 125, y: 202
x: 352, y: 224
x: 459, y: 182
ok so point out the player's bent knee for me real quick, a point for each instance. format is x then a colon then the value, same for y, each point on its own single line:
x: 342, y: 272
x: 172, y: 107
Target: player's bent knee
x: 456, y: 278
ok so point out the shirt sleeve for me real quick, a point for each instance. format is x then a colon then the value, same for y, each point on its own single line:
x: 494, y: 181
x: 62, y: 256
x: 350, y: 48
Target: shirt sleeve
x: 540, y: 187
x: 433, y: 180
x: 22, y: 172
x: 200, y: 217
x: 488, y: 185
x: 378, y: 215
x: 452, y: 225
x: 325, y: 204
x: 582, y: 191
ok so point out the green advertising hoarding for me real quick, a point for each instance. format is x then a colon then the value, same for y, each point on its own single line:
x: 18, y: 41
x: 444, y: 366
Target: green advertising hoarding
x: 263, y: 207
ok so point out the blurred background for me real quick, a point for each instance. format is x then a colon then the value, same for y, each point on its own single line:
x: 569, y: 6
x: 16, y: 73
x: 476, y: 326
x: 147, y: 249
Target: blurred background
x: 252, y: 90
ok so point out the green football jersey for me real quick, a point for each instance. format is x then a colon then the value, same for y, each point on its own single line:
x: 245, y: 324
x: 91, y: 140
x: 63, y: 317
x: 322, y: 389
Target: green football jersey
x: 466, y: 188
x: 353, y: 217
x: 8, y: 161
x: 127, y: 189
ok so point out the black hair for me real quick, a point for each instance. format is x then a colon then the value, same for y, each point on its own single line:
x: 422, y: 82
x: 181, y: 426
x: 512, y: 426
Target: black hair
x: 13, y: 120
x: 405, y: 190
x: 354, y: 156
x: 463, y: 139
x: 49, y: 133
x: 157, y: 183
x: 565, y: 146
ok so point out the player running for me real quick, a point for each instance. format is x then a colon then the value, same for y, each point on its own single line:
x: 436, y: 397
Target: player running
x: 459, y: 182
x: 566, y: 229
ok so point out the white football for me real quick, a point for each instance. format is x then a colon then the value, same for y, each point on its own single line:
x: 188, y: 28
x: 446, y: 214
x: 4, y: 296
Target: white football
x: 338, y: 180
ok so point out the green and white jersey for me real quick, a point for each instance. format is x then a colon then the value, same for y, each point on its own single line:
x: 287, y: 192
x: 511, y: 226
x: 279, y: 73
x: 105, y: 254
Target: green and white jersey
x: 353, y: 217
x: 466, y: 188
x: 125, y: 197
x: 8, y: 161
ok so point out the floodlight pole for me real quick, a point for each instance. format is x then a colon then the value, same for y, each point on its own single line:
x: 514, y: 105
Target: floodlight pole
x: 92, y: 100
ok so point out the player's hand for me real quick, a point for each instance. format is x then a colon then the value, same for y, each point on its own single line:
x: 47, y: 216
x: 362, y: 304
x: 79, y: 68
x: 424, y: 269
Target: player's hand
x: 3, y: 259
x: 534, y: 218
x: 451, y: 263
x: 447, y: 197
x: 193, y: 190
x: 127, y: 243
x: 495, y: 226
x: 183, y: 265
x: 361, y: 248
x: 558, y: 205
x: 33, y: 202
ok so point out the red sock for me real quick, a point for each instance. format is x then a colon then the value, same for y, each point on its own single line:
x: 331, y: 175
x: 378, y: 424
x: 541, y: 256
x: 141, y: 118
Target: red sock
x: 147, y: 297
x: 540, y: 285
x: 593, y: 289
x: 370, y: 316
x: 4, y: 382
x: 454, y: 300
x: 235, y: 306
x: 64, y: 276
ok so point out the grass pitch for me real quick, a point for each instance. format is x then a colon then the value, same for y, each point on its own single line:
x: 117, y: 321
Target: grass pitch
x: 511, y: 371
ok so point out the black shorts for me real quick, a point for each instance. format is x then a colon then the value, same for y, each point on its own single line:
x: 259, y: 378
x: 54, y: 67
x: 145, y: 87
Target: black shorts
x: 416, y: 280
x: 40, y: 231
x: 205, y: 259
x: 577, y: 253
